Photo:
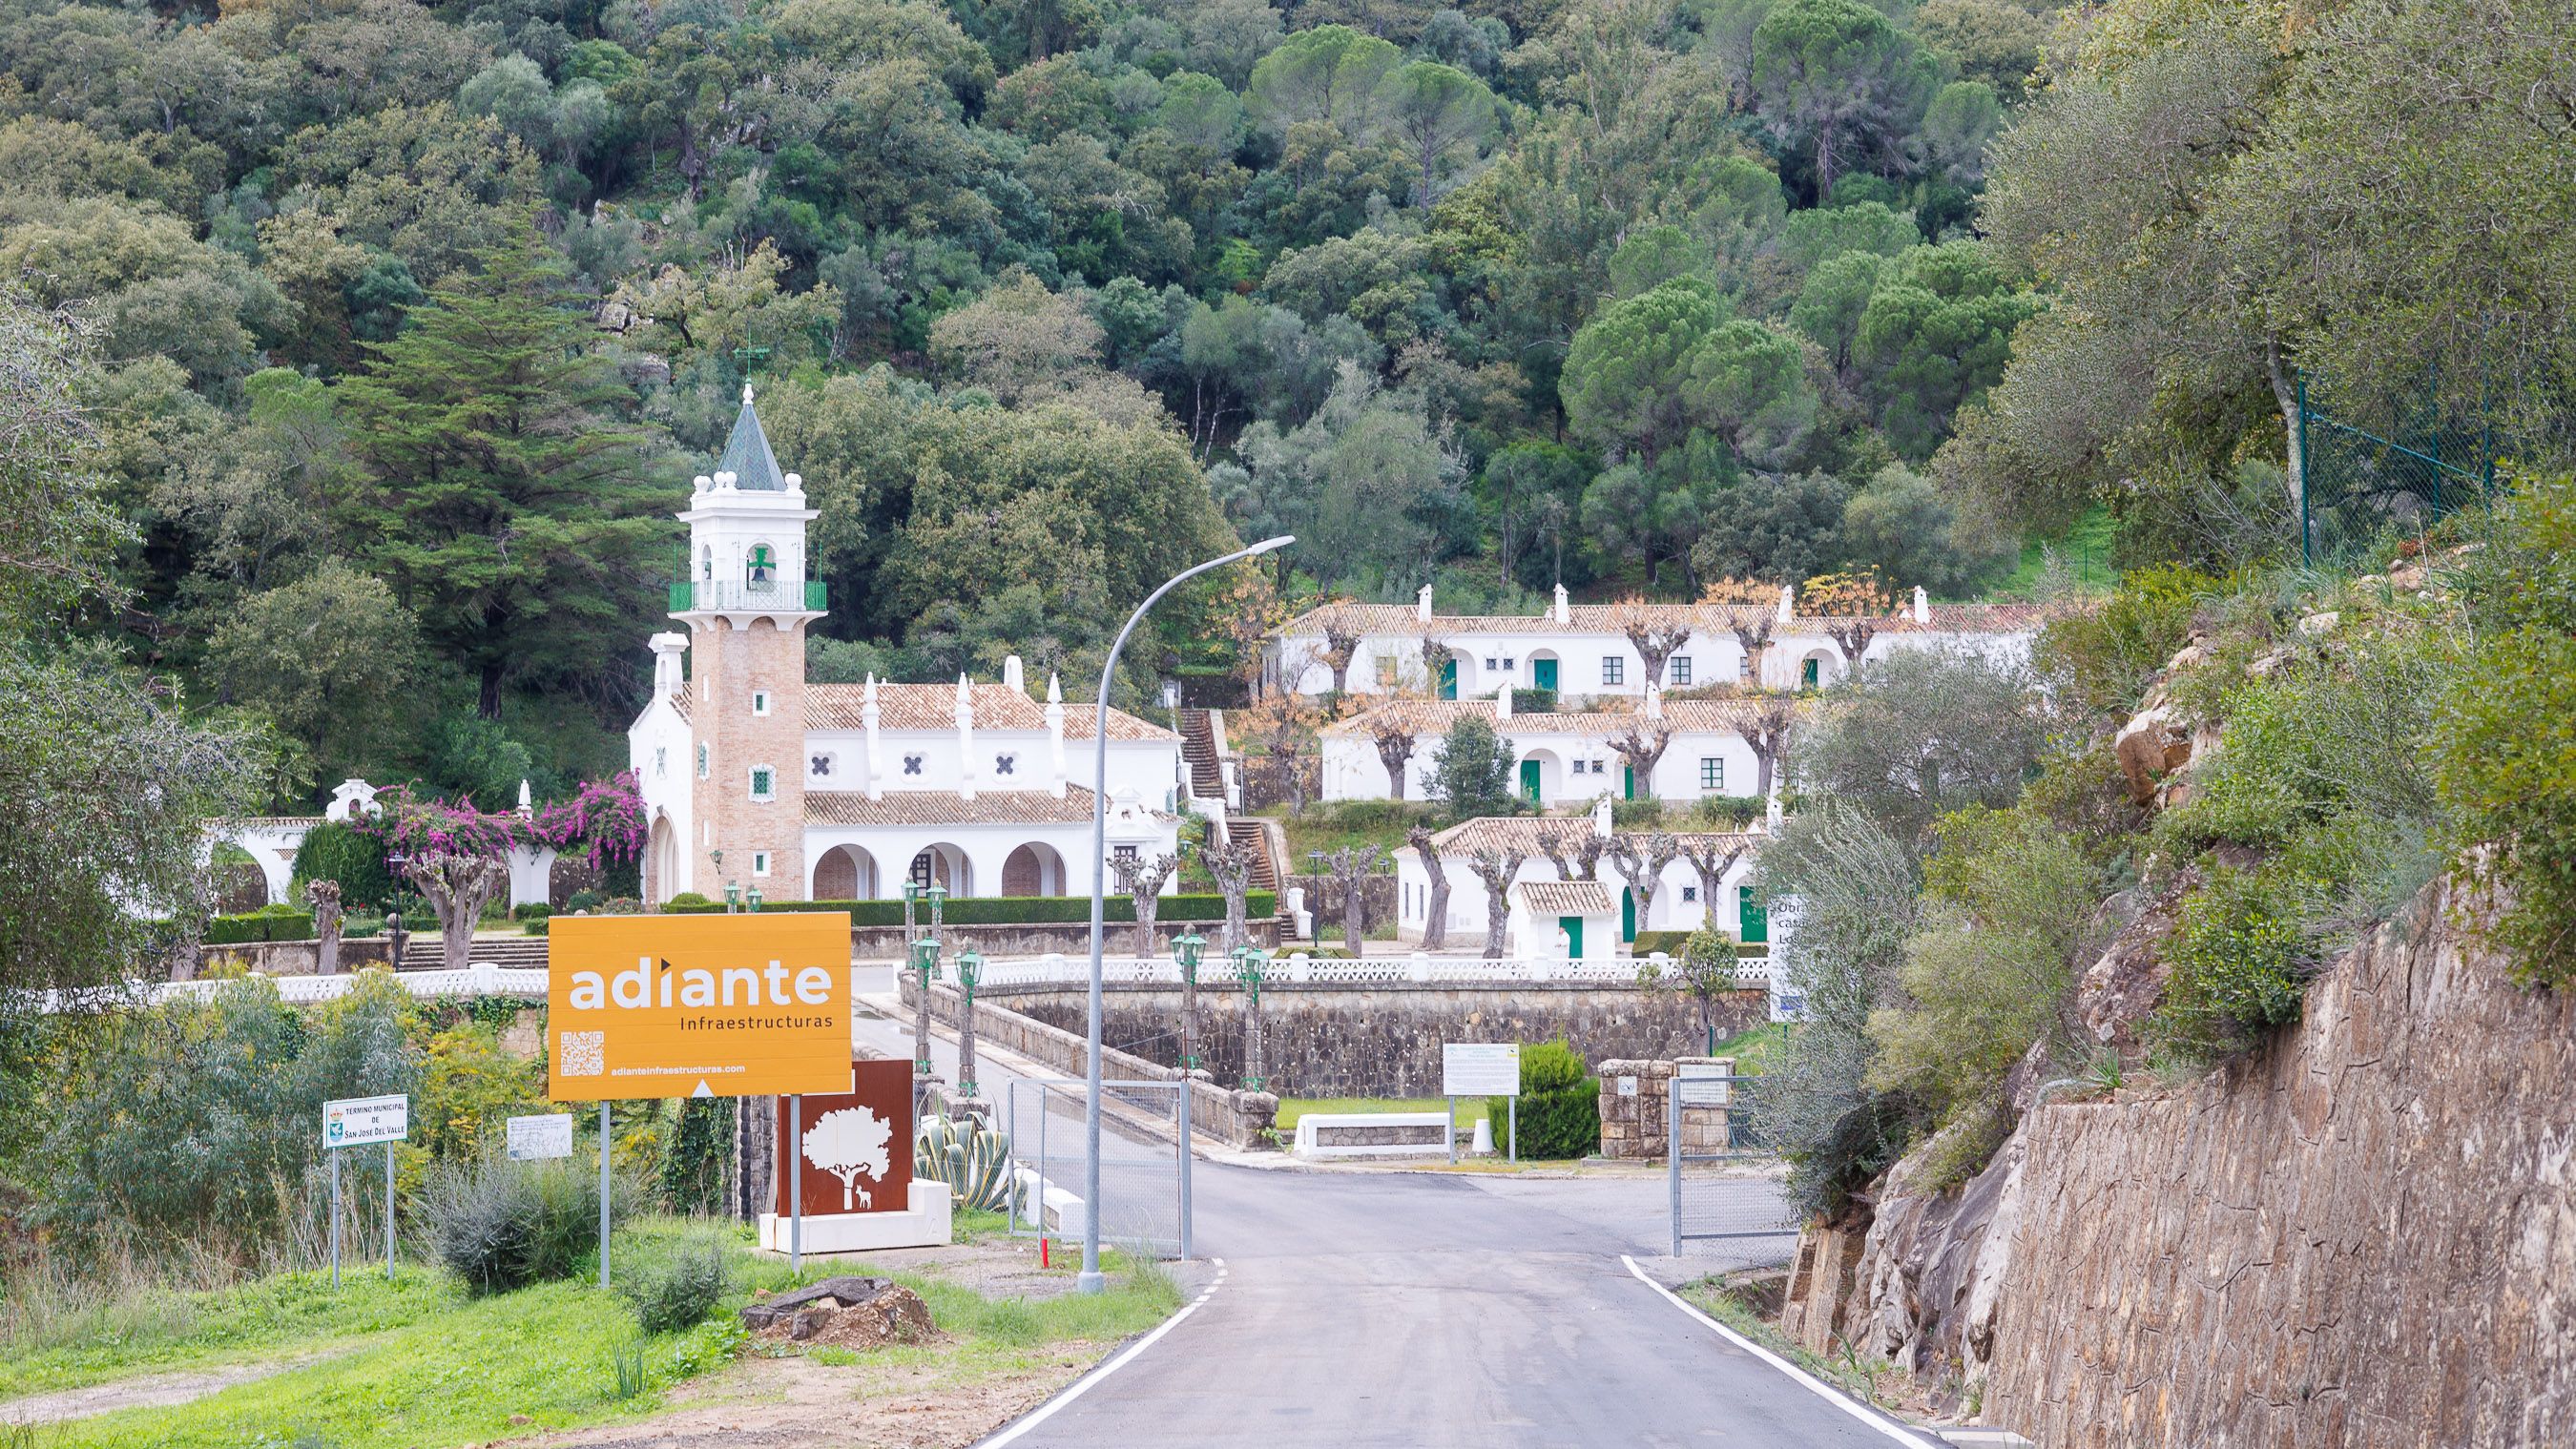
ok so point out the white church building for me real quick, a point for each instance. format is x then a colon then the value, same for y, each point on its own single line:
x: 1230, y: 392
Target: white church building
x: 1560, y: 757
x: 753, y: 778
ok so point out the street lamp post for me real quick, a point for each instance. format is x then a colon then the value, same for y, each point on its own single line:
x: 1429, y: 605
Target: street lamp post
x: 970, y: 969
x: 1185, y: 954
x: 1091, y: 1280
x: 921, y: 1010
x: 1250, y: 963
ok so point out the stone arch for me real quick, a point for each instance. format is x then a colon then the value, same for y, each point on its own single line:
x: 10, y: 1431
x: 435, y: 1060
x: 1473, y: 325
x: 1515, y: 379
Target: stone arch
x: 1551, y: 776
x: 1034, y: 869
x: 662, y: 861
x: 1818, y: 667
x: 945, y: 865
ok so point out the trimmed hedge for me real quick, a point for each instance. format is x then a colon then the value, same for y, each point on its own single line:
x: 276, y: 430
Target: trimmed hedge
x: 353, y: 859
x: 1560, y: 1106
x: 1009, y: 910
x: 1668, y: 942
x: 268, y: 923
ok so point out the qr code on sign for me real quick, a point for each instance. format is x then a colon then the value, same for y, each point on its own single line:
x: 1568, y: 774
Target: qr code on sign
x: 584, y: 1054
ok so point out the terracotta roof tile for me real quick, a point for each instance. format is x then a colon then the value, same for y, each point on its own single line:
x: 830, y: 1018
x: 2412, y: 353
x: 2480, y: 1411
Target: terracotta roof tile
x: 934, y: 707
x: 1564, y: 897
x: 1522, y: 832
x: 1430, y: 717
x: 1399, y: 620
x: 946, y: 807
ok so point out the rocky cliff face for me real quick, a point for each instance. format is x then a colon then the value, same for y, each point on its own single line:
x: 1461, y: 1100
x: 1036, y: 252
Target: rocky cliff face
x: 2362, y: 1234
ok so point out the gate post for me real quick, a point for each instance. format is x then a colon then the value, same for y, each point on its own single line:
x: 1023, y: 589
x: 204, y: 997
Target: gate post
x: 1673, y: 1154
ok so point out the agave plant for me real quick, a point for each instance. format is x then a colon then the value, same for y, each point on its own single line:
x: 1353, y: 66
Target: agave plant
x: 973, y: 1159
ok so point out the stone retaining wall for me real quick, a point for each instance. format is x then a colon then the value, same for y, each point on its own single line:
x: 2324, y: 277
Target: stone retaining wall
x: 1636, y: 1125
x: 1323, y: 1039
x: 885, y: 943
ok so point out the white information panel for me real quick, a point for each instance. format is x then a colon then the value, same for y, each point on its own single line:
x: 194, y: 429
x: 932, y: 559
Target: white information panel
x: 1480, y: 1069
x: 532, y: 1138
x: 357, y: 1121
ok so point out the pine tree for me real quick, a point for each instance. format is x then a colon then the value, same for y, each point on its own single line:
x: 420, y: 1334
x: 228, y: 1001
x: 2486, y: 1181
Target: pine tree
x: 508, y: 502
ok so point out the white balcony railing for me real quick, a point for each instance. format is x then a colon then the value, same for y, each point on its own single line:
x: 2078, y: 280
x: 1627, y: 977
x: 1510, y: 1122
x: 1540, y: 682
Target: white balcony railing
x: 1751, y: 973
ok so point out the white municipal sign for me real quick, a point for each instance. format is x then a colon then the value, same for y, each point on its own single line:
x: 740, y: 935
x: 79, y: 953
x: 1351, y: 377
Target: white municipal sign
x: 1480, y: 1069
x: 356, y: 1121
x: 535, y: 1137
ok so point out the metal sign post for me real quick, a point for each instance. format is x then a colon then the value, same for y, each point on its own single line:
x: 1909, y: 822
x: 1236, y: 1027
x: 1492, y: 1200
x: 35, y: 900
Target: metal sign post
x: 356, y: 1122
x: 795, y: 1186
x: 603, y: 1192
x: 1449, y: 1130
x: 1482, y: 1069
x: 1513, y: 1104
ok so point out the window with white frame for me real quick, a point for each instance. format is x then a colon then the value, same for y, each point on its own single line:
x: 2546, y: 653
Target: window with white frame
x: 1491, y: 663
x: 764, y: 782
x: 1386, y: 670
x: 1510, y: 664
x: 1680, y: 669
x: 1614, y: 670
x: 1743, y: 666
x: 1122, y: 852
x: 1712, y: 773
x: 760, y: 862
x: 1689, y: 894
x: 760, y: 702
x: 704, y: 762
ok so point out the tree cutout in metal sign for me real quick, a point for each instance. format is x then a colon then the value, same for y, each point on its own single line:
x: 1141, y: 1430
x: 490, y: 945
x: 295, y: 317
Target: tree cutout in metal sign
x: 846, y: 1143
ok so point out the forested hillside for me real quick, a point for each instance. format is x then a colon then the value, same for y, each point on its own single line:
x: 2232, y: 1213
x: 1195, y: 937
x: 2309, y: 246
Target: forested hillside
x: 404, y: 326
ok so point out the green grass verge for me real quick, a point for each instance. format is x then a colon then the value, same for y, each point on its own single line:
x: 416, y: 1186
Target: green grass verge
x: 1852, y: 1373
x: 159, y: 1329
x: 1755, y: 1048
x: 418, y: 1363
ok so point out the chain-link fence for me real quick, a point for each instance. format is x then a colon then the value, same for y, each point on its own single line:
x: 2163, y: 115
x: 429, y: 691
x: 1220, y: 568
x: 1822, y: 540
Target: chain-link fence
x: 1714, y: 1153
x: 1144, y: 1201
x: 2374, y: 471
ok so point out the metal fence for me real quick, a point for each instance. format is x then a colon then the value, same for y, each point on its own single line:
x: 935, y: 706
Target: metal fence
x: 1711, y: 1142
x: 1144, y: 1202
x: 2400, y: 473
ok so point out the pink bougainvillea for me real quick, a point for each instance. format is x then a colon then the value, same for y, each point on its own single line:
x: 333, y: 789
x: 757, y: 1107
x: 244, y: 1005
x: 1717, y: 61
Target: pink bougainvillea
x: 604, y: 821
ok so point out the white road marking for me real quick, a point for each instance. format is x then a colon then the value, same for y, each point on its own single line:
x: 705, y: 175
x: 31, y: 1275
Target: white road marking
x: 1084, y: 1385
x: 1826, y: 1391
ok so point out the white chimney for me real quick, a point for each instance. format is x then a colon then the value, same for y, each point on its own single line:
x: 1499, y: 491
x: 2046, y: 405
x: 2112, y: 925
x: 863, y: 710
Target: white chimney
x: 1011, y: 674
x: 1788, y: 603
x: 667, y: 649
x: 1922, y: 606
x: 1601, y: 816
x: 1654, y: 701
x: 876, y: 742
x: 1503, y: 702
x: 1422, y: 604
x: 1564, y: 612
x: 1055, y: 737
x: 527, y: 806
x: 965, y: 739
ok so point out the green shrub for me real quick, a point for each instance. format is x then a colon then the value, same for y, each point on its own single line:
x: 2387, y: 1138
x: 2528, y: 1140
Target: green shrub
x: 1534, y: 700
x: 531, y: 911
x: 2240, y: 955
x: 1560, y: 1107
x: 679, y: 1290
x: 583, y: 900
x: 536, y: 927
x: 689, y: 900
x: 1006, y: 910
x: 499, y: 1224
x: 268, y: 923
x: 339, y: 852
x: 973, y: 1159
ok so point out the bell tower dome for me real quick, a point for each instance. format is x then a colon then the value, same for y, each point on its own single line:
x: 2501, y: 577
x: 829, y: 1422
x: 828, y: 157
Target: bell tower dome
x: 746, y: 603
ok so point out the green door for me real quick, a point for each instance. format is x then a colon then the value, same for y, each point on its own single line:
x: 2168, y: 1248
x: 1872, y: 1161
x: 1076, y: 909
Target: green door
x: 1755, y: 918
x: 1628, y: 781
x: 1448, y: 679
x: 1572, y: 926
x: 1529, y: 781
x: 1543, y: 673
x: 1627, y: 915
x: 1807, y: 673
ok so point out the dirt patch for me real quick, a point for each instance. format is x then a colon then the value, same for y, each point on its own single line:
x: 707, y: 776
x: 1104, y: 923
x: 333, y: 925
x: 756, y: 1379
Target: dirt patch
x: 797, y: 1403
x: 892, y: 1314
x: 144, y: 1391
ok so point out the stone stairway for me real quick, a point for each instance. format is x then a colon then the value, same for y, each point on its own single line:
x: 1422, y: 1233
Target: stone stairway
x: 1265, y: 871
x: 511, y: 952
x: 1198, y: 747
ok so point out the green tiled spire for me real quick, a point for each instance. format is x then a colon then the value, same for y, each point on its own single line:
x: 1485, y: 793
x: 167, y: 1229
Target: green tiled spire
x: 747, y: 455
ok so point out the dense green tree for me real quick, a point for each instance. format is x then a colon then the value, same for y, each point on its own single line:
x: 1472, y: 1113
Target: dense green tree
x: 509, y: 501
x: 1838, y: 78
x: 1471, y: 771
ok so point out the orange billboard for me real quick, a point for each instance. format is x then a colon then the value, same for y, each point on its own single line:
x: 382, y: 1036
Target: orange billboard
x: 698, y: 1006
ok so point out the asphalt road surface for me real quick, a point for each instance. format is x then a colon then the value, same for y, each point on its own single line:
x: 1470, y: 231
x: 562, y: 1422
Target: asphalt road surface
x: 1425, y: 1310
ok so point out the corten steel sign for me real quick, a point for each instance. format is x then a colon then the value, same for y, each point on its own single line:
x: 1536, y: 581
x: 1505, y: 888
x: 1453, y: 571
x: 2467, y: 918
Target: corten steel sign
x: 698, y: 1006
x: 854, y: 1147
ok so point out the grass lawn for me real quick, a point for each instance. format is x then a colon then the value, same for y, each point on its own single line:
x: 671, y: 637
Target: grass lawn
x: 1326, y: 827
x: 2086, y: 549
x: 1471, y: 1110
x: 1755, y: 1048
x: 287, y: 1313
x: 419, y: 1363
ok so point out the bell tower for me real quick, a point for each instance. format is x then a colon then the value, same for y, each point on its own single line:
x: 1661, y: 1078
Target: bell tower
x: 746, y: 603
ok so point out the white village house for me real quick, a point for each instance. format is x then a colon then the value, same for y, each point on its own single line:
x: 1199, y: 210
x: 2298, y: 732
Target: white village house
x: 1552, y: 917
x: 1587, y: 651
x: 754, y: 778
x: 1707, y: 748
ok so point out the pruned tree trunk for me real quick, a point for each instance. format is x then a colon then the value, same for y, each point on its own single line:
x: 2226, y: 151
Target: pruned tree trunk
x: 1755, y: 640
x: 324, y: 897
x: 1656, y: 644
x: 1586, y: 845
x: 1497, y: 869
x: 458, y: 887
x: 1339, y: 650
x: 1852, y: 636
x: 1395, y: 745
x: 1232, y: 868
x: 1712, y: 860
x: 1350, y: 866
x: 1769, y: 737
x: 1641, y: 750
x: 1142, y: 880
x: 1435, y: 925
x: 1641, y: 861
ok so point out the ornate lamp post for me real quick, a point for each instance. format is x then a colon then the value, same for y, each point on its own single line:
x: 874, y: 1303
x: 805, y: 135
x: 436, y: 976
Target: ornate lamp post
x: 733, y: 896
x: 970, y: 969
x: 924, y: 961
x: 752, y: 897
x: 1250, y: 963
x: 1185, y: 953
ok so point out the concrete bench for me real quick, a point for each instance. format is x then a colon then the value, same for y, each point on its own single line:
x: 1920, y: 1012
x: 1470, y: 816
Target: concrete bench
x: 1372, y: 1134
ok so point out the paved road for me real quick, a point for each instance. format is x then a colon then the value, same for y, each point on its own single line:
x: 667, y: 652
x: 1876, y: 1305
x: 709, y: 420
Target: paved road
x: 1424, y: 1310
